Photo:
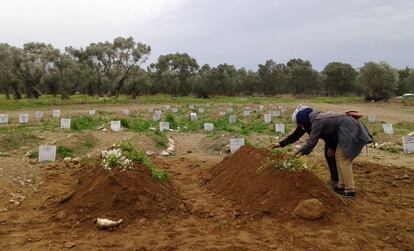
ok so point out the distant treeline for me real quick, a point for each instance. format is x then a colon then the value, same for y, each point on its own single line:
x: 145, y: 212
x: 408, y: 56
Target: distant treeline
x: 114, y: 68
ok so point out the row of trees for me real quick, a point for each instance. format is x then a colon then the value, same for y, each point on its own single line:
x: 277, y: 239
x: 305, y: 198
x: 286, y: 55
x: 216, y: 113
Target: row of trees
x: 114, y: 68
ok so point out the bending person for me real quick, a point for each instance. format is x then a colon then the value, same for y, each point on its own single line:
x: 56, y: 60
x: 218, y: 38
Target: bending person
x: 344, y: 136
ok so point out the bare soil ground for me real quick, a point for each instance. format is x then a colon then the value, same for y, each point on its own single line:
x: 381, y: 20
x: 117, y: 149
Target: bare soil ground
x: 206, y: 219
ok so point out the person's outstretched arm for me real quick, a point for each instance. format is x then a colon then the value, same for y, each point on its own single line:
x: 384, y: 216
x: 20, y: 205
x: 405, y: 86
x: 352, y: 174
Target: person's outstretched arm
x: 292, y: 138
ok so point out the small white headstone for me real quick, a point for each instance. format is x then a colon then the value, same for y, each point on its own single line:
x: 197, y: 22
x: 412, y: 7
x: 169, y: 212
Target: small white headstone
x: 167, y: 107
x: 371, y: 118
x: 150, y: 110
x: 246, y: 113
x: 4, y: 118
x: 193, y: 116
x: 191, y: 107
x: 39, y: 115
x: 92, y: 112
x: 222, y: 113
x: 280, y: 128
x: 47, y: 153
x: 156, y: 116
x: 388, y: 129
x: 164, y: 126
x: 230, y: 109
x: 201, y: 110
x: 65, y: 123
x: 267, y: 118
x: 408, y: 144
x: 56, y: 113
x: 23, y: 118
x: 159, y: 112
x: 232, y: 119
x: 208, y: 127
x: 116, y: 125
x: 235, y: 144
x: 174, y: 110
x: 259, y: 108
x: 125, y: 112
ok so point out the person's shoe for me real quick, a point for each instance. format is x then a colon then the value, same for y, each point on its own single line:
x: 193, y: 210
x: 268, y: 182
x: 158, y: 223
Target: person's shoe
x: 343, y: 193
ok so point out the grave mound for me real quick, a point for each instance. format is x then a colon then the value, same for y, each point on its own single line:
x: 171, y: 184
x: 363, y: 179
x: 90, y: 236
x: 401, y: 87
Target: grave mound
x: 270, y: 191
x: 121, y: 194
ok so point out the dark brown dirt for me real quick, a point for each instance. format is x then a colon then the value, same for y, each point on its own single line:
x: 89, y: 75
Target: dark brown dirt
x: 268, y: 192
x: 120, y: 195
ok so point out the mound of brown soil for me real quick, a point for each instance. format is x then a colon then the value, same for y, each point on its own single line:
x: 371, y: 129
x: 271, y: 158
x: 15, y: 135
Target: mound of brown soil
x: 269, y: 191
x: 121, y: 195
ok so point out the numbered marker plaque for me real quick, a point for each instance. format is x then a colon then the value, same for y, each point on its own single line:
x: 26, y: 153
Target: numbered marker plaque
x: 208, y: 127
x: 39, y: 115
x: 47, y: 153
x: 280, y: 128
x: 56, y: 113
x: 92, y: 112
x: 246, y: 113
x: 191, y: 107
x: 174, y: 110
x: 388, y: 129
x: 275, y: 113
x: 267, y: 118
x: 164, y: 126
x: 232, y: 119
x: 116, y: 125
x: 408, y: 144
x: 222, y: 114
x: 201, y: 110
x: 23, y: 118
x: 65, y: 123
x: 235, y: 144
x: 4, y: 118
x: 193, y: 116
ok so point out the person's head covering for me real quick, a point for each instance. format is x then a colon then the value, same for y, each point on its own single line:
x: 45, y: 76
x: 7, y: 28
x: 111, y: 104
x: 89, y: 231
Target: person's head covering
x: 301, y: 117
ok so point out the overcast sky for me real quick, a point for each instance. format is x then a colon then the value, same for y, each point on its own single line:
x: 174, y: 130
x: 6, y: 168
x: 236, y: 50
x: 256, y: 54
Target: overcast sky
x: 240, y: 32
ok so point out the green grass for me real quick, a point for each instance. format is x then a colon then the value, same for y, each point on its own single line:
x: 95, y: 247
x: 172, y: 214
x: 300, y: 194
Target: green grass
x: 64, y: 152
x: 13, y: 140
x: 47, y: 100
x: 82, y: 123
x: 159, y: 138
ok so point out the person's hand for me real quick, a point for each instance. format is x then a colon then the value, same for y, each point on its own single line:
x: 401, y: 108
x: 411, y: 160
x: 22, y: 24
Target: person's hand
x: 330, y: 153
x: 277, y: 145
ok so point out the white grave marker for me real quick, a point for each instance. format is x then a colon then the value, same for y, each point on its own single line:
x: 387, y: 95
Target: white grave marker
x: 174, y: 110
x: 246, y: 113
x: 164, y: 126
x: 201, y: 110
x: 65, y: 123
x: 230, y: 109
x: 222, y: 113
x: 280, y: 128
x: 208, y: 127
x: 193, y: 116
x: 4, y: 118
x: 125, y: 112
x: 47, y: 153
x: 388, y: 129
x: 267, y: 118
x: 191, y: 107
x: 23, y: 118
x: 56, y: 113
x: 408, y: 144
x: 259, y: 108
x: 39, y: 115
x: 150, y: 110
x: 235, y: 144
x: 92, y: 112
x: 167, y: 107
x: 371, y: 118
x: 232, y: 119
x: 116, y: 125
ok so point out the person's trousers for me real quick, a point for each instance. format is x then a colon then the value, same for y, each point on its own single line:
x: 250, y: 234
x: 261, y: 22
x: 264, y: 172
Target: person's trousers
x: 333, y: 170
x: 344, y: 165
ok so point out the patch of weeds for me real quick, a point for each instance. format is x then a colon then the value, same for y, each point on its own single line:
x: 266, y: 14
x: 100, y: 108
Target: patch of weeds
x: 85, y: 123
x: 64, y: 151
x: 130, y: 152
x: 89, y: 160
x: 393, y: 150
x: 33, y: 155
x: 159, y: 138
x: 170, y: 118
x: 139, y: 124
x: 15, y: 140
x: 89, y: 141
x: 4, y: 154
